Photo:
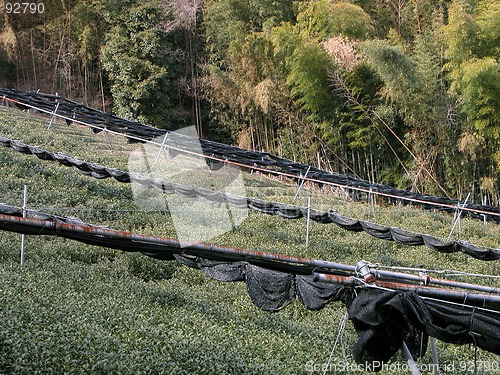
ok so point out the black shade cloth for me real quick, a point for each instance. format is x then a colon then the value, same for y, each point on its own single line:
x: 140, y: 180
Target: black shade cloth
x: 382, y: 319
x: 381, y: 329
x: 270, y: 290
x: 223, y: 271
x: 271, y: 208
x: 314, y: 296
x: 73, y: 111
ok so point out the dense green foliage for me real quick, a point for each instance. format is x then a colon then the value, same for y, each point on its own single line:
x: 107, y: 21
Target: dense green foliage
x: 78, y: 309
x: 133, y: 59
x: 403, y: 92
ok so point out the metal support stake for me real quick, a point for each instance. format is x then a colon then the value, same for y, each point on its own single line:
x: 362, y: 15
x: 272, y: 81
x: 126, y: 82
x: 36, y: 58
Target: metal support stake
x: 53, y: 116
x: 484, y: 204
x: 460, y: 225
x: 372, y: 201
x: 435, y: 359
x: 411, y: 363
x: 342, y: 325
x: 308, y: 220
x: 25, y: 201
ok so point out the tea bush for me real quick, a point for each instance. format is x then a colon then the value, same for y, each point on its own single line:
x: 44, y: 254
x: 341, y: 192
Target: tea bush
x: 79, y: 309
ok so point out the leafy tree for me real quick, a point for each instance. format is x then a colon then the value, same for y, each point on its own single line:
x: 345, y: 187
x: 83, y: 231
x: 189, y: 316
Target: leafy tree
x: 412, y: 84
x: 472, y: 49
x: 327, y: 18
x: 243, y: 69
x: 472, y: 38
x: 480, y: 95
x: 88, y: 28
x: 308, y: 79
x: 136, y: 63
x: 228, y: 22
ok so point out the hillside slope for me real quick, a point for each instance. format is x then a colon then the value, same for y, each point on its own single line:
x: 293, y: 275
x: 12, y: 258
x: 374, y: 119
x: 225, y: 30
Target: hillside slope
x: 84, y: 309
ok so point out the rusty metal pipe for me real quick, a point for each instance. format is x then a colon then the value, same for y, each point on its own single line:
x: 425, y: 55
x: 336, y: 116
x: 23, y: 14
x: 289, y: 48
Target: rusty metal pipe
x: 172, y: 246
x: 426, y: 280
x: 483, y: 300
x: 59, y: 229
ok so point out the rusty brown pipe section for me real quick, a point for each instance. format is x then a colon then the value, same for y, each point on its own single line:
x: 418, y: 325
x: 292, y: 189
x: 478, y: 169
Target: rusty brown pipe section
x: 481, y: 300
x: 37, y: 226
x: 94, y: 235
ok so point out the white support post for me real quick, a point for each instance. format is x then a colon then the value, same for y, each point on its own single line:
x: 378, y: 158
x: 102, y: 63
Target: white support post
x: 308, y: 220
x: 25, y: 201
x: 460, y: 224
x: 53, y: 116
x: 301, y: 184
x: 484, y: 204
x: 372, y: 201
x: 435, y: 359
x: 162, y: 148
x: 456, y: 219
x: 411, y: 363
x: 108, y: 138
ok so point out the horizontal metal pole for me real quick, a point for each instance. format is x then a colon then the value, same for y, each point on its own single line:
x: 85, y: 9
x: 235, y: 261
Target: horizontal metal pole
x: 175, y: 246
x: 492, y: 301
x: 55, y: 228
x: 426, y: 280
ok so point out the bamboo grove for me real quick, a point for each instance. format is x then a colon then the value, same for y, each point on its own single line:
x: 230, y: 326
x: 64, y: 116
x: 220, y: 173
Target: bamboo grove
x: 401, y: 92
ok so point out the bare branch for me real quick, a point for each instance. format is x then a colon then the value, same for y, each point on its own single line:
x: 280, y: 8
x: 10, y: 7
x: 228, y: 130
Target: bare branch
x: 184, y: 13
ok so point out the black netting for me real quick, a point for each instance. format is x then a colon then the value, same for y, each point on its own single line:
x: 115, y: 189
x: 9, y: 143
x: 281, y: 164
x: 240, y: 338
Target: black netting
x: 384, y: 319
x: 270, y: 290
x: 376, y: 230
x: 189, y: 261
x: 380, y: 329
x: 314, y: 295
x: 406, y: 238
x: 271, y: 208
x: 268, y: 163
x: 224, y: 271
x: 454, y: 323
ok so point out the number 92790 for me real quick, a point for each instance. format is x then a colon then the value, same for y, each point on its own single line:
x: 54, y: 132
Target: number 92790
x: 24, y: 8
